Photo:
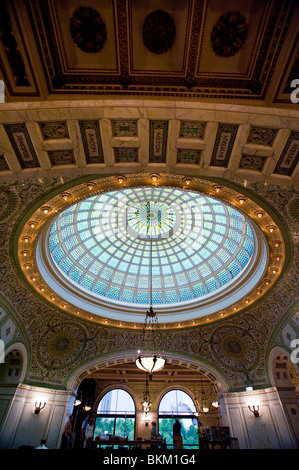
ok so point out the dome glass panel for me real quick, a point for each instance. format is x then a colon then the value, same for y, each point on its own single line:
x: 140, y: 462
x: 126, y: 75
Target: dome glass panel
x: 151, y: 244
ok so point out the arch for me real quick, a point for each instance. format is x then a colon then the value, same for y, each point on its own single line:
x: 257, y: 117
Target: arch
x: 17, y: 347
x: 273, y: 354
x: 178, y: 418
x: 176, y: 389
x: 117, y: 419
x: 10, y: 316
x: 169, y: 388
x: 109, y: 388
x: 113, y: 389
x: 77, y: 375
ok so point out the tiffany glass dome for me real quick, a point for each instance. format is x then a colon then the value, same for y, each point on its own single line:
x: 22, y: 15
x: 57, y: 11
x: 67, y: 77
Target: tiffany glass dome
x: 165, y: 246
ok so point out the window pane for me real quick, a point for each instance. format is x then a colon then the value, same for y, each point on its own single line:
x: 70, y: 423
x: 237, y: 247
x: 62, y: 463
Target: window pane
x: 117, y: 402
x: 188, y: 431
x: 176, y: 402
x: 104, y: 426
x: 125, y: 427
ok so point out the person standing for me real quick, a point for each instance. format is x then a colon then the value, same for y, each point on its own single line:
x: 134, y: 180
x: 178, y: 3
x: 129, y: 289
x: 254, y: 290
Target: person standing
x: 42, y: 444
x: 202, y: 439
x: 154, y: 430
x: 176, y: 432
x: 83, y: 429
x: 89, y: 434
x: 153, y: 434
x: 67, y: 434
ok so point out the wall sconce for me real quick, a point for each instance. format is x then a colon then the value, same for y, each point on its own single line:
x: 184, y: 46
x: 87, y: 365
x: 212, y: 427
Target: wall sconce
x: 32, y: 224
x: 39, y: 407
x: 259, y: 213
x: 254, y: 409
x: 216, y: 404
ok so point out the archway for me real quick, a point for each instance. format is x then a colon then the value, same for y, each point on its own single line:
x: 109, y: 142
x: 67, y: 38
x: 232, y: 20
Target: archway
x: 121, y: 373
x: 13, y: 369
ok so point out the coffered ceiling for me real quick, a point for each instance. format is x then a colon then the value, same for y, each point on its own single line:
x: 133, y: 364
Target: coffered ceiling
x: 238, y: 50
x: 119, y: 86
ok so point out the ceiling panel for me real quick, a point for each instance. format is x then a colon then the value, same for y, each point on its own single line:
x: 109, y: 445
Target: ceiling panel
x: 237, y: 50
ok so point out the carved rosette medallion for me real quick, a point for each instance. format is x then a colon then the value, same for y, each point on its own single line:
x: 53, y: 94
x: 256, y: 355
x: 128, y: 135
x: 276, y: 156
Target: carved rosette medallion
x: 229, y: 34
x: 88, y: 29
x: 158, y: 31
x: 235, y: 348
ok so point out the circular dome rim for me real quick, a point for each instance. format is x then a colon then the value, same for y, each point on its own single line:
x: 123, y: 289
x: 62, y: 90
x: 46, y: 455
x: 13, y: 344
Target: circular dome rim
x: 78, y: 188
x: 193, y: 195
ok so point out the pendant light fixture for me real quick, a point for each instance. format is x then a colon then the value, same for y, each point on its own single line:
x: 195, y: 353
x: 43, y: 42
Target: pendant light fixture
x: 196, y: 413
x: 150, y: 359
x: 146, y: 401
x: 78, y: 400
x: 203, y: 400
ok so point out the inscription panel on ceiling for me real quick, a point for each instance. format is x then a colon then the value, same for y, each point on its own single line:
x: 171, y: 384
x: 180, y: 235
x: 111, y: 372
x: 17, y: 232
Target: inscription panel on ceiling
x: 158, y: 141
x: 92, y: 142
x: 224, y: 142
x: 289, y: 157
x: 22, y: 145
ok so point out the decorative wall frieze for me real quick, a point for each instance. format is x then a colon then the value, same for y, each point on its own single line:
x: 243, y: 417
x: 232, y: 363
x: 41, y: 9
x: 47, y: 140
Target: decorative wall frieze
x: 22, y: 145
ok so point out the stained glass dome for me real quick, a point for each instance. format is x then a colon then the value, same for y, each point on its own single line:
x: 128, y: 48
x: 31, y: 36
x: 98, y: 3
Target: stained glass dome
x: 139, y: 245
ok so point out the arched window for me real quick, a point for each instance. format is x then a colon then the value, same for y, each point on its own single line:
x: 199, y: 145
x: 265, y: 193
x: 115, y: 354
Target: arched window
x: 116, y: 415
x: 178, y: 404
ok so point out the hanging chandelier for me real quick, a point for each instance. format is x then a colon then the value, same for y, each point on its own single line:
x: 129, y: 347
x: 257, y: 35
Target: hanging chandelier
x: 78, y: 400
x: 146, y: 401
x: 150, y: 359
x: 205, y: 400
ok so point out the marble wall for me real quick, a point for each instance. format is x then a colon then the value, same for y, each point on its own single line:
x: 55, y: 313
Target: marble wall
x: 22, y: 427
x: 270, y: 430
